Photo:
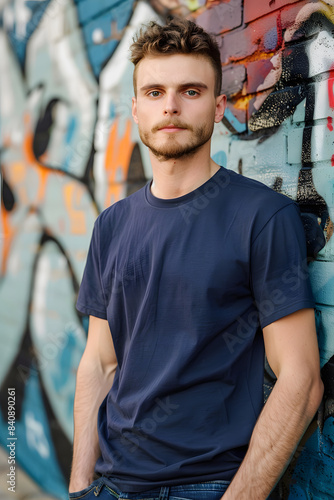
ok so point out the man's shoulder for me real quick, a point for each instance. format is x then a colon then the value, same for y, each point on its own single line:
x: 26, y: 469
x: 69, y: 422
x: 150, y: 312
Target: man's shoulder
x: 252, y: 204
x: 255, y: 195
x: 123, y: 207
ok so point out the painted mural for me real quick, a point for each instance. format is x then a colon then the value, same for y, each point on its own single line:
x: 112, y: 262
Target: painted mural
x: 69, y: 149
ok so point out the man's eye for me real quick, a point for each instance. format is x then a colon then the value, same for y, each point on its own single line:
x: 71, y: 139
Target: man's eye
x: 154, y: 93
x: 191, y: 93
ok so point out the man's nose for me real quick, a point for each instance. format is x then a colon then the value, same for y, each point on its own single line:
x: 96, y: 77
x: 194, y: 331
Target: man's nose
x: 171, y: 104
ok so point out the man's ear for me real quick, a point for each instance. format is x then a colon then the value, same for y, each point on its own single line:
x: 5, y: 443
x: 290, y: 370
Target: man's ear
x: 220, y: 107
x: 134, y: 110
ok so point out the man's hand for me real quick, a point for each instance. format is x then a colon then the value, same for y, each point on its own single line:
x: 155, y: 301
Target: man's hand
x: 292, y: 352
x: 94, y: 379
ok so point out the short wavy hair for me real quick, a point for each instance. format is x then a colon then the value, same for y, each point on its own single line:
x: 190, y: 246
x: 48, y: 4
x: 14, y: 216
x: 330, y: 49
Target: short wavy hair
x: 177, y: 36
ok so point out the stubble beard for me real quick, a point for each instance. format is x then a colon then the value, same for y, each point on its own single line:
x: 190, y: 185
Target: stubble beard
x: 173, y: 150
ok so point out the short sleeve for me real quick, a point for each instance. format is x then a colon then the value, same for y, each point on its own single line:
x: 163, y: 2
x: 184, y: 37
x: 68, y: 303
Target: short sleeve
x: 279, y: 271
x: 91, y: 299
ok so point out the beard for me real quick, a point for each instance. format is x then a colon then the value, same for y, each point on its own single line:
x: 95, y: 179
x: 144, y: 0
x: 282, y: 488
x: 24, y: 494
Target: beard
x: 171, y: 149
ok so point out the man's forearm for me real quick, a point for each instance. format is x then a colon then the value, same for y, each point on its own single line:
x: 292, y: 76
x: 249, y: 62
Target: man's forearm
x: 283, y: 420
x: 92, y: 387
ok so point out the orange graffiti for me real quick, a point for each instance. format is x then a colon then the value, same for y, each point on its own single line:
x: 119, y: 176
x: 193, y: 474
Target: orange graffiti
x: 18, y: 174
x: 43, y: 174
x: 117, y: 160
x: 256, y: 56
x: 7, y: 236
x: 241, y: 102
x: 73, y: 194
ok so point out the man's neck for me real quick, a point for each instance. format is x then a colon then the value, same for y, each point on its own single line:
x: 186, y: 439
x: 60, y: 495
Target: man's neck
x: 175, y: 178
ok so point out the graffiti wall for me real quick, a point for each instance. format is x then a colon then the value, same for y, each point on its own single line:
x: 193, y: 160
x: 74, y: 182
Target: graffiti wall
x: 69, y: 149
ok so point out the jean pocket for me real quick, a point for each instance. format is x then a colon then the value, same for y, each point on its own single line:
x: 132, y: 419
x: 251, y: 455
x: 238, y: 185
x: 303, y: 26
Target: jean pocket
x: 84, y: 492
x: 211, y: 490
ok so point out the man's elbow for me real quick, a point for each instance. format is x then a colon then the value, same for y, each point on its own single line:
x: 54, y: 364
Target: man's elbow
x: 316, y: 392
x: 92, y: 365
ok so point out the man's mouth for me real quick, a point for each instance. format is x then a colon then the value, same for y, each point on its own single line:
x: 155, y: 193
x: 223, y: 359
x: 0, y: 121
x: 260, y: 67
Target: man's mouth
x: 166, y: 126
x: 171, y: 128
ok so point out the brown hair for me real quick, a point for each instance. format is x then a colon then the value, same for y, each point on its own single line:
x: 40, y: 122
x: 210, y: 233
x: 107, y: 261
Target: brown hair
x: 178, y: 36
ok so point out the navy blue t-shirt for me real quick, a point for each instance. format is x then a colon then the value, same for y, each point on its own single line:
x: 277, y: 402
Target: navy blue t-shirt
x: 186, y: 285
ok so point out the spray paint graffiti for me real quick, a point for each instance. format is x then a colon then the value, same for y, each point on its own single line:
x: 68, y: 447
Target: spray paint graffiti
x: 69, y: 149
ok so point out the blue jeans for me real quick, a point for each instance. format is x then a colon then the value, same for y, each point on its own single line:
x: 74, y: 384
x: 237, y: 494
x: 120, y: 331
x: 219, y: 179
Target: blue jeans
x: 101, y: 489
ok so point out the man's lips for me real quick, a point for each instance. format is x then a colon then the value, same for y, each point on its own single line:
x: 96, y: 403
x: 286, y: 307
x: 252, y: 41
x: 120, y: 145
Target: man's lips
x: 171, y: 128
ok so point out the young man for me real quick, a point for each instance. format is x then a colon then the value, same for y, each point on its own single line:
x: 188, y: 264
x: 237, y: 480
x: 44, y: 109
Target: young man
x: 186, y: 281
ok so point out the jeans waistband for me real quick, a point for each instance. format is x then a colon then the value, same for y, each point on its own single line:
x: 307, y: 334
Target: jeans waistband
x: 163, y: 492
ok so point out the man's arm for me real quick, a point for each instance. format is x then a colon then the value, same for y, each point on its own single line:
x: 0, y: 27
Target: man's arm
x: 292, y: 352
x: 94, y: 379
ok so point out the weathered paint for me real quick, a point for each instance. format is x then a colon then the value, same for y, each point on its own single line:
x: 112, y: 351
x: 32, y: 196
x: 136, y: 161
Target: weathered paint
x: 69, y: 149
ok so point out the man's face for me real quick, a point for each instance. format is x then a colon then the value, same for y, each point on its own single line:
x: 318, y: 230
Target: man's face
x: 175, y: 107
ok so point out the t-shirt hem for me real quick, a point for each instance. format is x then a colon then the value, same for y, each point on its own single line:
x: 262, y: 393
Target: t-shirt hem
x: 90, y: 311
x: 297, y: 306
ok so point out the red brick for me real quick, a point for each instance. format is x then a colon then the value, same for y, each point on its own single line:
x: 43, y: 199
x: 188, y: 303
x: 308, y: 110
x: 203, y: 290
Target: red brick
x: 233, y: 79
x: 263, y: 34
x: 266, y: 32
x: 275, y: 23
x: 253, y: 9
x: 256, y: 74
x: 222, y: 17
x: 236, y: 46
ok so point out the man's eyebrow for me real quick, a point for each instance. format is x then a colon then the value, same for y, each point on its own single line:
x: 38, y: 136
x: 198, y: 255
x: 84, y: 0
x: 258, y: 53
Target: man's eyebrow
x: 199, y: 85
x: 150, y: 86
